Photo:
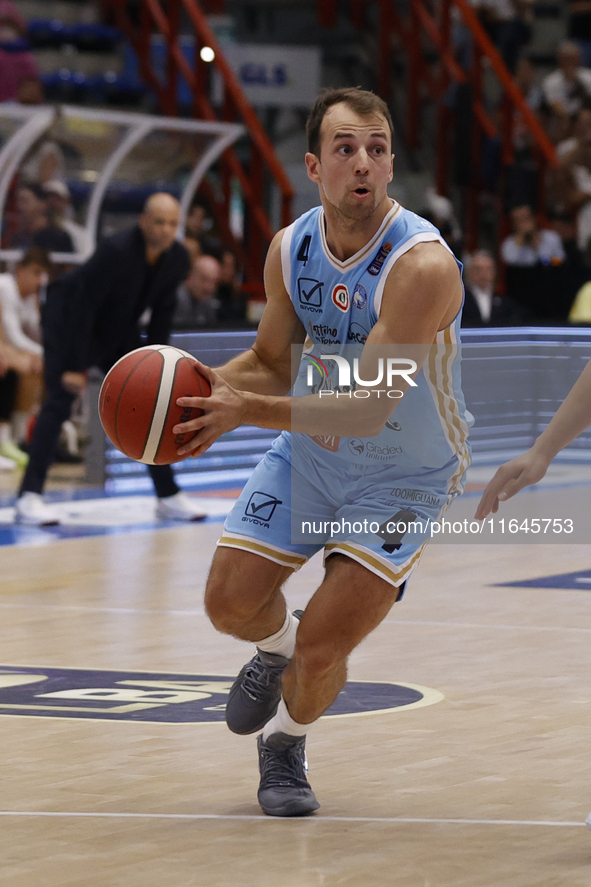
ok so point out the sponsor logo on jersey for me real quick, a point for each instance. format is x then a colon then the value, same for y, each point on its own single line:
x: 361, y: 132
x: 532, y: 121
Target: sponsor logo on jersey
x: 326, y: 441
x: 393, y: 426
x: 260, y: 508
x: 340, y: 297
x: 359, y: 297
x: 152, y: 697
x: 323, y: 334
x: 381, y: 453
x: 310, y: 294
x: 406, y: 495
x: 356, y: 446
x: 357, y: 333
x: 376, y: 265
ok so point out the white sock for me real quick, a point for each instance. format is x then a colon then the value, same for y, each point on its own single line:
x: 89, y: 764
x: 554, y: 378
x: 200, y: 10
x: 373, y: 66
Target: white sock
x: 283, y: 641
x: 282, y: 722
x: 5, y: 435
x: 20, y: 420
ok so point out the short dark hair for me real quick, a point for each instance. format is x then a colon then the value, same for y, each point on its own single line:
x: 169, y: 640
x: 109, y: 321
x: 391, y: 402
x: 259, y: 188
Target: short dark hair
x: 361, y: 101
x: 35, y: 255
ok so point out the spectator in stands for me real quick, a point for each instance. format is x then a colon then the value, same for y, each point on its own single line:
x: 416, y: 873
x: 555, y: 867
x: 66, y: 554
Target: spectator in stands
x: 538, y: 279
x: 21, y: 324
x: 61, y: 214
x: 17, y: 62
x: 229, y: 292
x: 566, y: 89
x: 197, y: 305
x: 579, y: 27
x: 33, y: 226
x: 439, y: 210
x: 580, y: 135
x: 193, y: 247
x: 573, y: 181
x: 12, y: 362
x: 198, y: 225
x: 522, y: 176
x: 481, y: 306
x: 91, y: 318
x: 509, y: 25
x: 530, y: 244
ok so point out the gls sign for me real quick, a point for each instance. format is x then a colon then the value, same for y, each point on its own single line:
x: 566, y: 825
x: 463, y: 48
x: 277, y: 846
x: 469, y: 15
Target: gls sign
x: 394, y: 367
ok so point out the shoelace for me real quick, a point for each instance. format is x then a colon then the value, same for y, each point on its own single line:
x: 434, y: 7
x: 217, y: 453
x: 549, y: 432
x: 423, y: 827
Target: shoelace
x: 283, y: 767
x: 259, y: 676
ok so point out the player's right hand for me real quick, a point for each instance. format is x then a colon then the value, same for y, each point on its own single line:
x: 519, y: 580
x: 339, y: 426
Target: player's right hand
x: 527, y: 469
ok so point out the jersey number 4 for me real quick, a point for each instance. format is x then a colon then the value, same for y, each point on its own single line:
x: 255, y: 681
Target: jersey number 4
x: 304, y: 250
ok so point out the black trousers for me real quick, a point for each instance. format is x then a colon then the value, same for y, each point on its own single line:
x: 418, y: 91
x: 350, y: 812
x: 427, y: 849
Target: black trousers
x: 56, y: 409
x: 8, y: 384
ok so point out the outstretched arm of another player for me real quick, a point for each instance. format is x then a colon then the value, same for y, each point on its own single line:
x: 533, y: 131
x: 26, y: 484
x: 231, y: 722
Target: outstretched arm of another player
x: 573, y: 416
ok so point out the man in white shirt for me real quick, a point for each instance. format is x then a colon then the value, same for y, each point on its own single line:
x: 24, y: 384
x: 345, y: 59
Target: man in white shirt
x: 60, y: 211
x: 21, y: 326
x: 566, y: 89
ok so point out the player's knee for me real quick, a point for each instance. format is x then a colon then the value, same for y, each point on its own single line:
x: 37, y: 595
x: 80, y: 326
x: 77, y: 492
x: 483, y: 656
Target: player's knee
x: 231, y: 600
x: 221, y: 603
x: 318, y: 658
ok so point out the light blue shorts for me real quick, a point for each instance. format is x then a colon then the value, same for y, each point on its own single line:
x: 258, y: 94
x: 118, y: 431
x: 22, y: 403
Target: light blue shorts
x: 297, y: 503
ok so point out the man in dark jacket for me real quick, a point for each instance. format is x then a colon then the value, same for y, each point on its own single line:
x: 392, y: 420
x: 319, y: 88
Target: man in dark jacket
x: 91, y: 318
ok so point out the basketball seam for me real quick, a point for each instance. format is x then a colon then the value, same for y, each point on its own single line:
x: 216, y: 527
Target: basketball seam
x: 153, y: 449
x: 176, y: 368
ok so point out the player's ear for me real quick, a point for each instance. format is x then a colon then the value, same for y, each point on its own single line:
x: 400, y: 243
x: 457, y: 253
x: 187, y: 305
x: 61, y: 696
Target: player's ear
x: 312, y: 164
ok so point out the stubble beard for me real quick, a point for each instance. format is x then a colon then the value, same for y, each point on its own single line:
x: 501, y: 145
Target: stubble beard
x: 348, y: 214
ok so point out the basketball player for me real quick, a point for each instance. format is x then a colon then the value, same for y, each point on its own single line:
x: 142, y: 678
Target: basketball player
x: 359, y: 267
x: 571, y: 418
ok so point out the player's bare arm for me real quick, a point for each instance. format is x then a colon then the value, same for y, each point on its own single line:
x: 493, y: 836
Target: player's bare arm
x: 572, y: 417
x: 261, y: 375
x: 267, y: 367
x: 423, y: 294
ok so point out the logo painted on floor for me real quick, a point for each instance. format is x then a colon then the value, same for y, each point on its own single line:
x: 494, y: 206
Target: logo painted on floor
x: 168, y: 698
x: 579, y: 581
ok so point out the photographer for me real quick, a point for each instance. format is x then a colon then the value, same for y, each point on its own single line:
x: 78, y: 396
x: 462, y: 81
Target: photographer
x: 536, y: 271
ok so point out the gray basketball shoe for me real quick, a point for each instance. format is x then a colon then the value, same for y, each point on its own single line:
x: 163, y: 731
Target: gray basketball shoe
x: 284, y: 789
x: 255, y: 694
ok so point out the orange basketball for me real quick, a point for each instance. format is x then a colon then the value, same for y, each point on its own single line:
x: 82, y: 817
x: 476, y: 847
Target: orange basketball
x: 137, y: 402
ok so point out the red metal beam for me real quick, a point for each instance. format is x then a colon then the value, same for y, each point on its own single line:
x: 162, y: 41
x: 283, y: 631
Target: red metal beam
x: 506, y: 80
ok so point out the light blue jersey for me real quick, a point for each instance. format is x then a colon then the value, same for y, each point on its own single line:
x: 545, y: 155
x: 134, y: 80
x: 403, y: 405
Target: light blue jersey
x: 358, y: 497
x: 338, y: 304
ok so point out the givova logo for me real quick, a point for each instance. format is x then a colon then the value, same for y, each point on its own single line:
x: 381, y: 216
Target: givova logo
x: 167, y: 698
x: 262, y: 505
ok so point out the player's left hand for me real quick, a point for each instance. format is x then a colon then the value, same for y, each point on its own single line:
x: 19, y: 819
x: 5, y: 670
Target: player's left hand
x: 527, y: 469
x: 223, y: 411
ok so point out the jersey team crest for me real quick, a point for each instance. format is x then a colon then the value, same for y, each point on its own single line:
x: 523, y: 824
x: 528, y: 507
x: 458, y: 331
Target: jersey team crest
x: 340, y: 297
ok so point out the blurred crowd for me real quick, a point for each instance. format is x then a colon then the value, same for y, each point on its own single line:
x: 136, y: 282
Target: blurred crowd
x: 539, y: 271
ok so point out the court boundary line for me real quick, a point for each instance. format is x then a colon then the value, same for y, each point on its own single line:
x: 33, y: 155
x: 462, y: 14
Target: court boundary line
x: 13, y: 605
x: 263, y: 818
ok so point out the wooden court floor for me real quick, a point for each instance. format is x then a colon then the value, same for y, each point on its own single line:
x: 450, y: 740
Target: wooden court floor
x: 489, y: 786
